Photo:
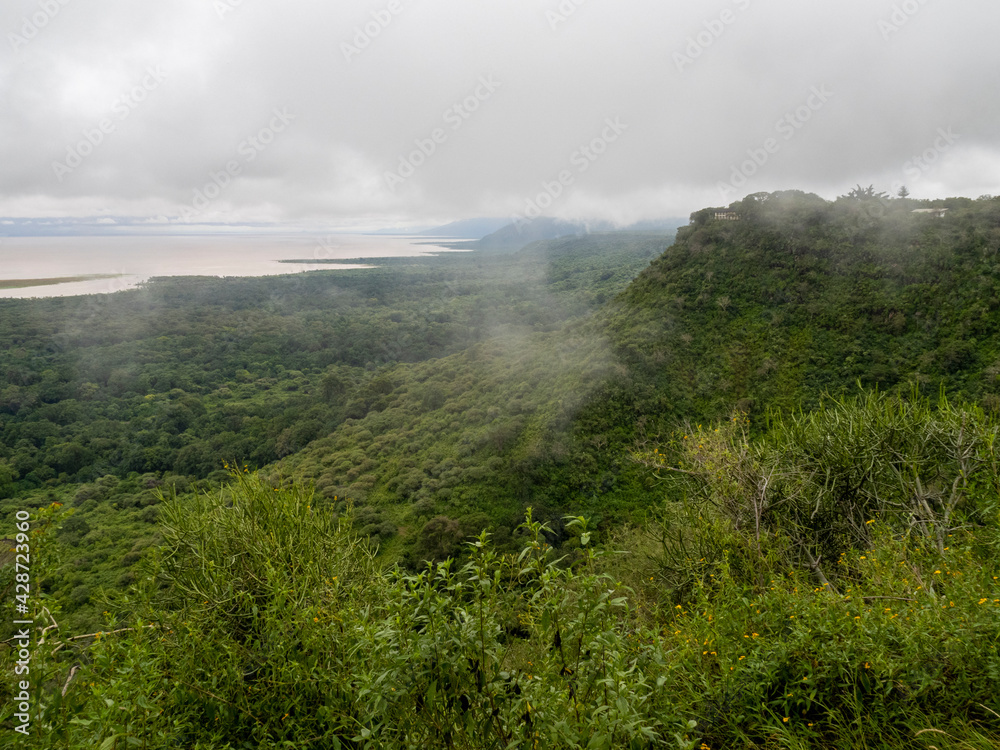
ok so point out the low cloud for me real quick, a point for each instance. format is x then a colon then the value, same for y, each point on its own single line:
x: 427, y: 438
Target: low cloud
x: 700, y: 88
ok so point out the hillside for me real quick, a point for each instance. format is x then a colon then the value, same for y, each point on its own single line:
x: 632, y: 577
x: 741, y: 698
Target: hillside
x: 702, y: 467
x: 801, y: 297
x: 804, y: 296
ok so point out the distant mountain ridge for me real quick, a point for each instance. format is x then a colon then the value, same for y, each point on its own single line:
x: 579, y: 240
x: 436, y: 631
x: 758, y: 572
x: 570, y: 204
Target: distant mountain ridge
x: 513, y: 236
x: 467, y: 228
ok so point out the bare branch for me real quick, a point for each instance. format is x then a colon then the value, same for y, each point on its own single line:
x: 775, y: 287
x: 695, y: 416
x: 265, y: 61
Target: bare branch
x: 69, y: 679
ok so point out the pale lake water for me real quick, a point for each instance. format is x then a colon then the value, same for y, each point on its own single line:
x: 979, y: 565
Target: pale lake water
x: 135, y: 259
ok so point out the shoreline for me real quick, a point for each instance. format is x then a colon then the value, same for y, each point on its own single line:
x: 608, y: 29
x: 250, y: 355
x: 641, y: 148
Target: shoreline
x: 28, y: 283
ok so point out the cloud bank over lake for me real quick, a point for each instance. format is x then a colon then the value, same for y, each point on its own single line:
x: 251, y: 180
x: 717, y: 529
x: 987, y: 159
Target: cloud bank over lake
x: 387, y: 112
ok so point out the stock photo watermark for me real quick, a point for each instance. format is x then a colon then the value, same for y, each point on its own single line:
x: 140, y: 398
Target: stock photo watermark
x: 121, y: 108
x: 31, y: 26
x: 249, y: 149
x: 366, y: 33
x: 562, y: 13
x: 582, y: 159
x: 454, y: 117
x: 786, y: 127
x: 22, y: 637
x: 326, y: 248
x: 900, y: 16
x: 713, y: 29
x: 917, y: 166
x: 225, y: 7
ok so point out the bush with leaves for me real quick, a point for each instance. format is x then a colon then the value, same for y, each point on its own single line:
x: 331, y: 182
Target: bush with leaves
x: 809, y: 490
x: 523, y: 651
x: 263, y: 622
x: 836, y: 582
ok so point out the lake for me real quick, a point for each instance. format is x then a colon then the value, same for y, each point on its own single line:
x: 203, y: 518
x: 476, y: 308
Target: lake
x: 126, y: 261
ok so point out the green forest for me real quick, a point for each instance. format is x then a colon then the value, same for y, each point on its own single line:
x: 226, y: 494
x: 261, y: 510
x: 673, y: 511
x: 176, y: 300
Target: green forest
x: 734, y: 488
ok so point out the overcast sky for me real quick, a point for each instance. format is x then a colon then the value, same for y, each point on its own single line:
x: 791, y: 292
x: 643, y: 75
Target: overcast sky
x: 392, y: 112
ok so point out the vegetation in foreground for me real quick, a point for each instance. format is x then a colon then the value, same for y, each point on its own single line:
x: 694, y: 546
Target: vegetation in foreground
x: 833, y: 583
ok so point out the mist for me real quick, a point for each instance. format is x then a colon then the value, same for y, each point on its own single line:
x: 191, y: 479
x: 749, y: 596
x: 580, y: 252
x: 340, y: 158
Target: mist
x: 390, y: 113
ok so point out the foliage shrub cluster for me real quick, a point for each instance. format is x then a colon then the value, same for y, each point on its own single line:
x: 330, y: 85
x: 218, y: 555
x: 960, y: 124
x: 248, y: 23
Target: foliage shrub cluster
x: 266, y: 622
x: 836, y: 581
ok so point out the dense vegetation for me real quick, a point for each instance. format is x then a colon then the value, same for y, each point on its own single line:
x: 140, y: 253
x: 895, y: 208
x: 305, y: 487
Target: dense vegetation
x: 109, y: 400
x: 754, y: 522
x: 745, y: 618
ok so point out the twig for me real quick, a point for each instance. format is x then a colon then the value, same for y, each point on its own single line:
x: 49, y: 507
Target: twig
x: 653, y: 465
x: 72, y: 674
x: 109, y: 632
x: 814, y: 566
x: 49, y: 627
x: 99, y: 633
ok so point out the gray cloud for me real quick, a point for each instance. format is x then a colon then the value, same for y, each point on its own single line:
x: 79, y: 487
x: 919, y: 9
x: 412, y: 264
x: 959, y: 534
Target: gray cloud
x: 701, y: 87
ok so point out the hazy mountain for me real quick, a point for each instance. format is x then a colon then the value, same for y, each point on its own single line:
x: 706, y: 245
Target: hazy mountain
x: 467, y: 228
x: 517, y: 235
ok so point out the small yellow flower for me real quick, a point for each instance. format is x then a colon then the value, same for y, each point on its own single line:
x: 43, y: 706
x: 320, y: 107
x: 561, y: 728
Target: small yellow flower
x: 785, y: 720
